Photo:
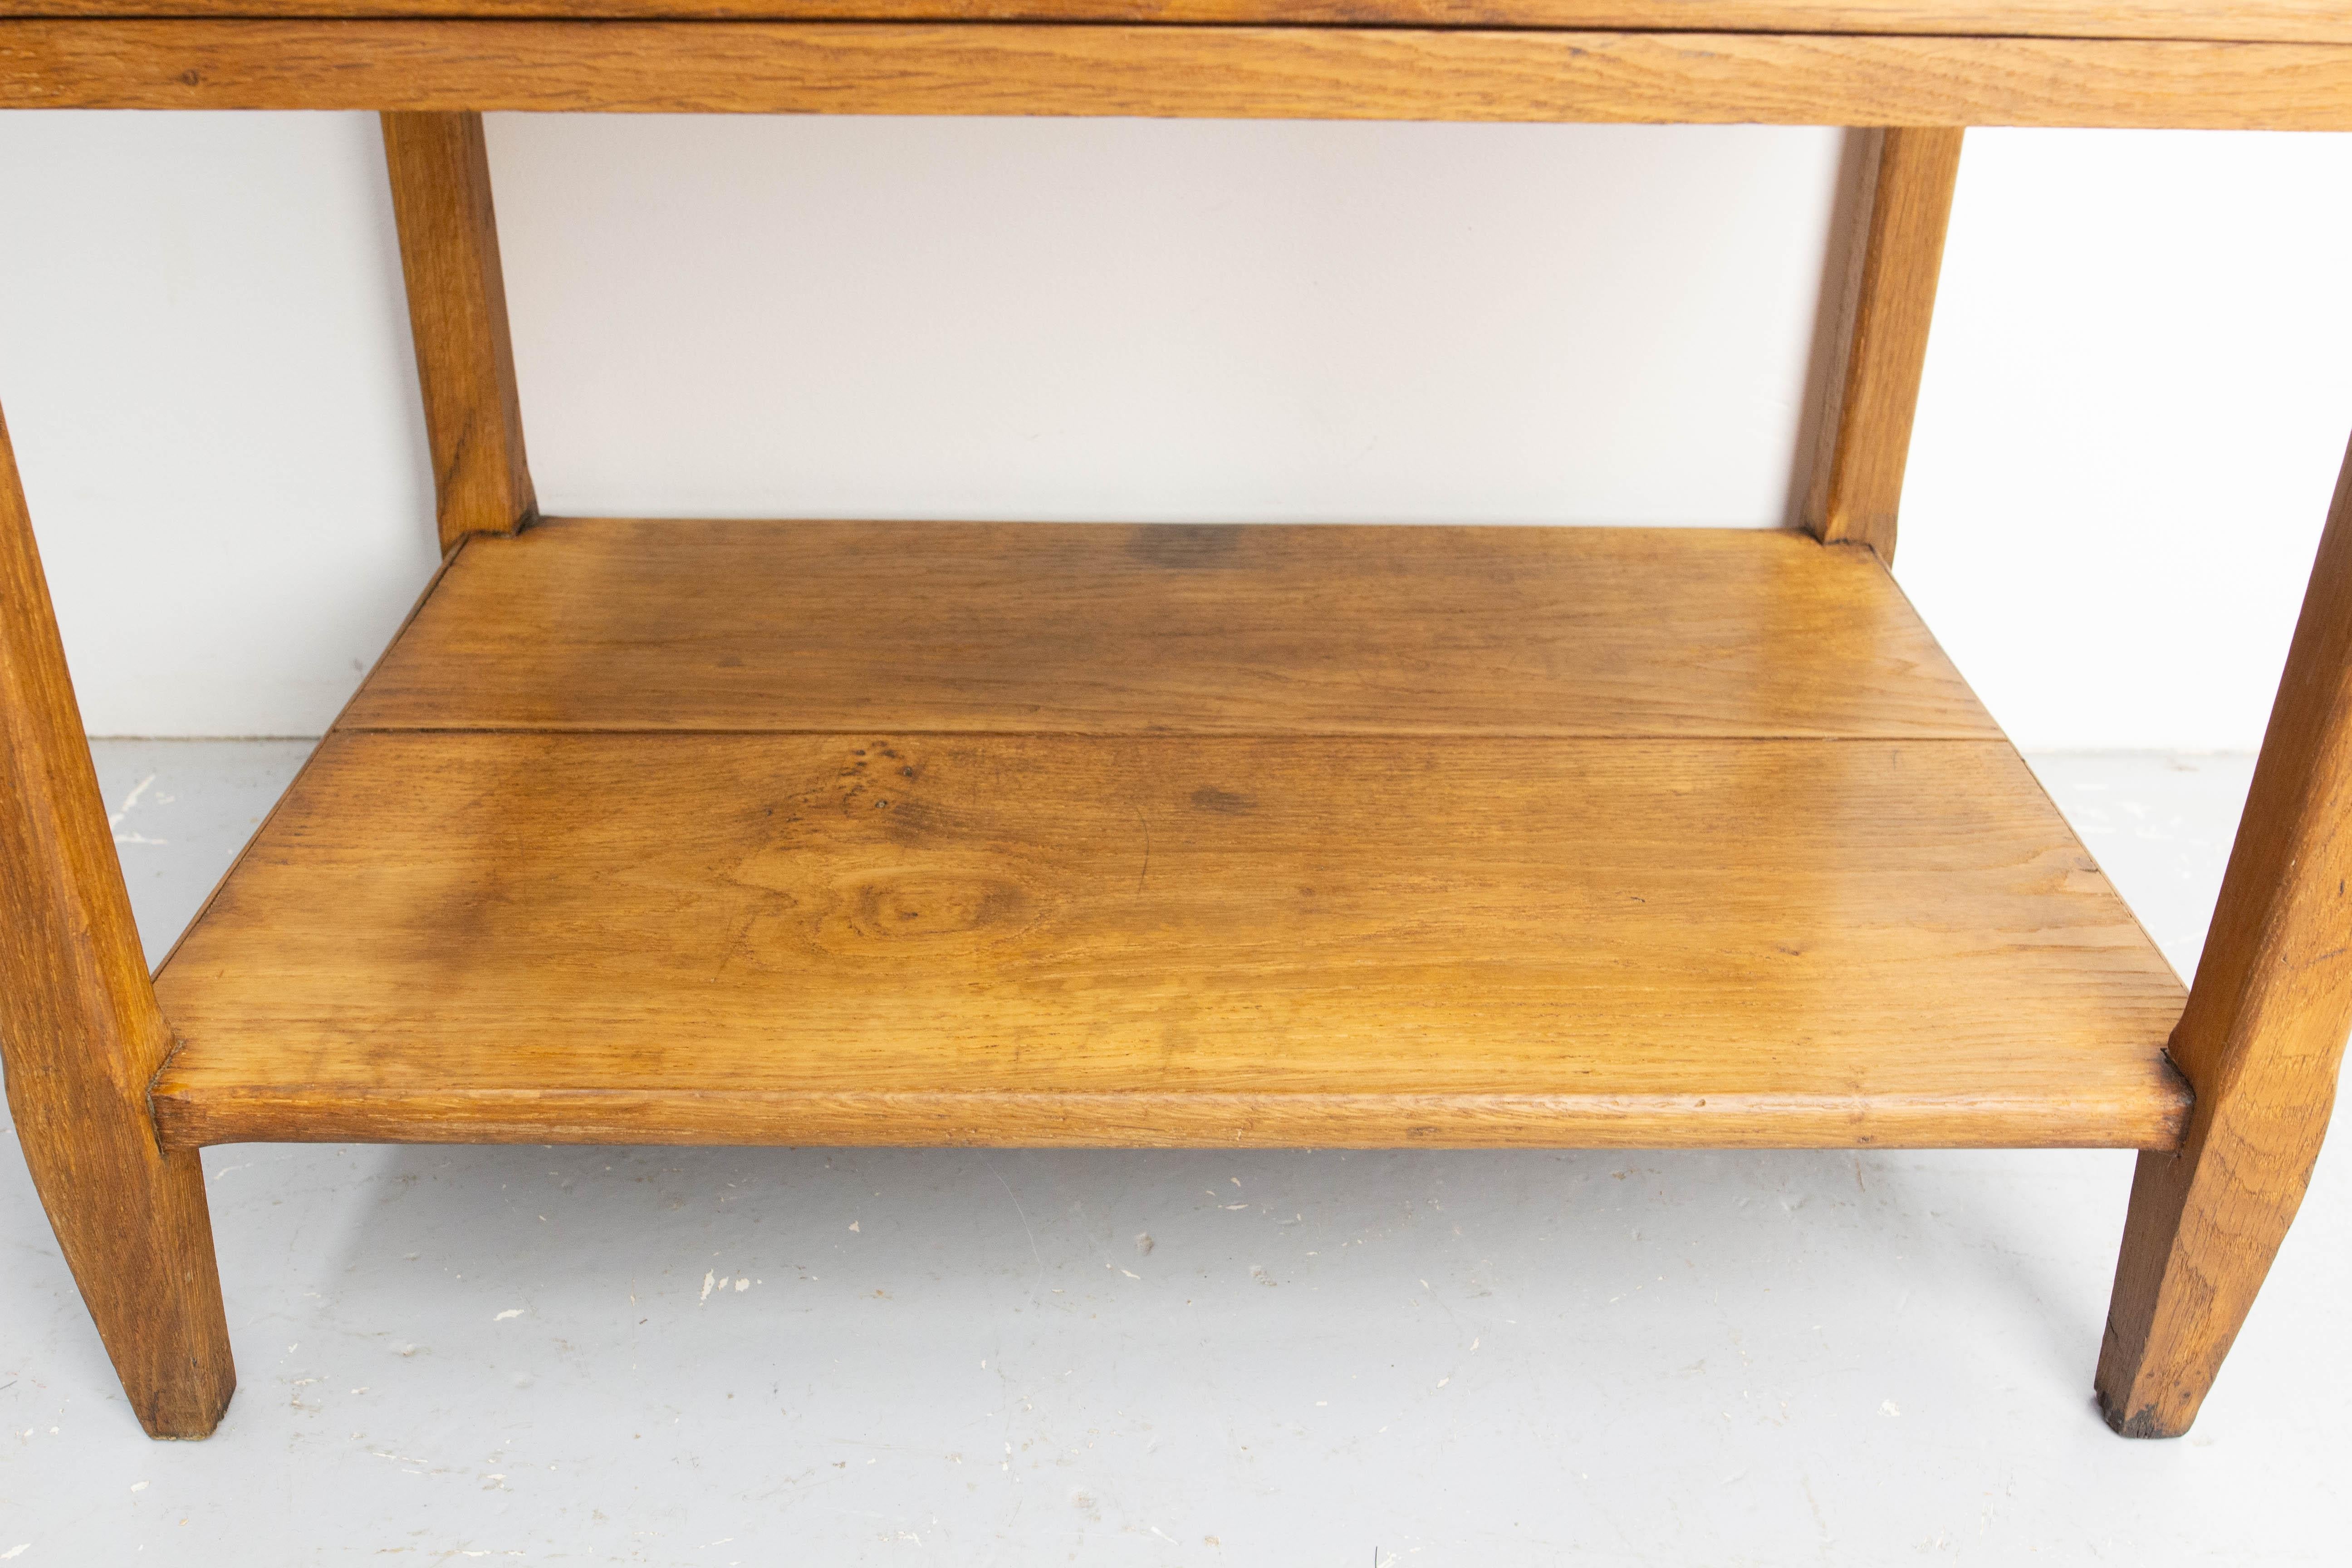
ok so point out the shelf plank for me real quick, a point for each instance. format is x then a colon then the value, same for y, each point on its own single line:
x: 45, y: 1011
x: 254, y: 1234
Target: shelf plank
x: 1175, y: 941
x: 1101, y: 629
x: 717, y: 832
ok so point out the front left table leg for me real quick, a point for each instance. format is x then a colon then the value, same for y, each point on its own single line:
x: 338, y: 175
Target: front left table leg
x: 81, y: 1035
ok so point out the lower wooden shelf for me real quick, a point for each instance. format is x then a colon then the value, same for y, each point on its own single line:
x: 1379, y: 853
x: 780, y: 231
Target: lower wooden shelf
x: 1044, y: 834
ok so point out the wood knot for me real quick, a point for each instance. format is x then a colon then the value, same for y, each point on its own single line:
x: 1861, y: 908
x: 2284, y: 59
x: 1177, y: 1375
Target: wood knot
x: 925, y: 909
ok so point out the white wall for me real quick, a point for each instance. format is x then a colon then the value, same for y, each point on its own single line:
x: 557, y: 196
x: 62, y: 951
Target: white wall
x: 205, y: 364
x: 1162, y: 319
x: 2136, y: 397
x: 2139, y: 393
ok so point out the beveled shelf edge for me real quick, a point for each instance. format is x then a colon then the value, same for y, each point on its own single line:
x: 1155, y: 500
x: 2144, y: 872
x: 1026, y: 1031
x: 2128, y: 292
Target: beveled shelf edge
x: 2221, y: 21
x: 1159, y: 1121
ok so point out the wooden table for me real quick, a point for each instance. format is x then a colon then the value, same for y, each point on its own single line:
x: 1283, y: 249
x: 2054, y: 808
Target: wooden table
x: 1035, y: 833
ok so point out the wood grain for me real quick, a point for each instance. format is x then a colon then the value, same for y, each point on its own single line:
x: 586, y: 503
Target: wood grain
x: 1888, y: 304
x: 1324, y: 73
x: 1167, y: 940
x: 80, y: 1034
x: 2261, y: 1039
x: 1116, y: 629
x: 440, y: 173
x: 2306, y: 21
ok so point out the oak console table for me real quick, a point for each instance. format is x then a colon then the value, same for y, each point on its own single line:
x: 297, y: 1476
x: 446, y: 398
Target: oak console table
x: 862, y: 832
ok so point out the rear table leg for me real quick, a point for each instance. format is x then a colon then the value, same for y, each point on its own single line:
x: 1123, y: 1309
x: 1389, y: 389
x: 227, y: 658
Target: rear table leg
x: 440, y: 171
x: 1904, y: 206
x: 2261, y: 1040
x: 81, y: 1036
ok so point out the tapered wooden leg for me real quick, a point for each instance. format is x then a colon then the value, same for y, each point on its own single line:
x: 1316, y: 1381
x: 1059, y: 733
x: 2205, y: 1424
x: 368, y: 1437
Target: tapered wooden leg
x: 440, y: 170
x: 2261, y: 1041
x: 1894, y: 259
x: 81, y: 1035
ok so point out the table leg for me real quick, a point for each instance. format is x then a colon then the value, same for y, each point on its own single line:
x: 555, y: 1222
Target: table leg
x: 2261, y: 1040
x: 440, y: 171
x: 81, y: 1035
x: 1886, y: 305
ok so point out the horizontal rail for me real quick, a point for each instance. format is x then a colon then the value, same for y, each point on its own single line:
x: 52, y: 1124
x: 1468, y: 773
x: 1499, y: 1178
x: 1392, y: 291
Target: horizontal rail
x: 1285, y: 73
x: 2247, y: 21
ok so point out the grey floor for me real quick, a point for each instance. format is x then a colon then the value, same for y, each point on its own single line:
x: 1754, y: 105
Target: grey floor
x: 754, y: 1356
